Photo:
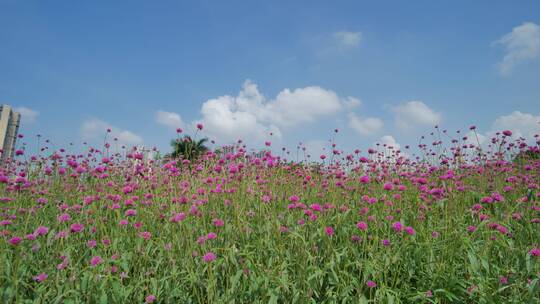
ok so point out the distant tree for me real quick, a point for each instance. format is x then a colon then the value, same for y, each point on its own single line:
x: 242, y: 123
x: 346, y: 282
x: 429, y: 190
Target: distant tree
x: 187, y: 148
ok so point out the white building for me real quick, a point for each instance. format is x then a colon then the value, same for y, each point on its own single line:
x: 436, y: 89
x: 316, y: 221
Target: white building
x: 9, y: 127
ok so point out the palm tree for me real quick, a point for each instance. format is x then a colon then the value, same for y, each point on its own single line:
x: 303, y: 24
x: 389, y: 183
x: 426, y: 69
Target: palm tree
x: 188, y: 148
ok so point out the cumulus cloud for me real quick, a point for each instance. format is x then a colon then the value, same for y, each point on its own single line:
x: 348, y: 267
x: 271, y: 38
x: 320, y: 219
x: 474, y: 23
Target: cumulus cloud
x: 27, y: 115
x: 169, y: 119
x: 414, y: 113
x: 251, y: 116
x: 521, y: 124
x: 522, y: 44
x: 475, y: 139
x: 95, y: 129
x: 352, y: 102
x: 348, y: 39
x: 389, y: 142
x: 388, y: 145
x: 365, y: 126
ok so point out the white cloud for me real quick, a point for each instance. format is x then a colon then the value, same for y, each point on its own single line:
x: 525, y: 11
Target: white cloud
x: 522, y: 44
x: 365, y: 126
x: 521, y: 124
x: 250, y: 116
x: 27, y: 115
x: 316, y: 148
x: 348, y: 39
x: 389, y: 142
x: 476, y: 140
x: 95, y: 129
x: 352, y: 102
x: 169, y: 119
x: 388, y: 145
x: 414, y: 113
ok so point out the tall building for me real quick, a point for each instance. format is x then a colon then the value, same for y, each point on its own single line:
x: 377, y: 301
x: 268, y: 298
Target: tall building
x: 9, y: 127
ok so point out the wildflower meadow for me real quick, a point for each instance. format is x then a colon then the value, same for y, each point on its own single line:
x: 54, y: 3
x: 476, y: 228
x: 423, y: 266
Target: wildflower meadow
x: 447, y: 221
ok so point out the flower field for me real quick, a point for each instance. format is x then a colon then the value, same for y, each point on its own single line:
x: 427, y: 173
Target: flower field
x: 458, y: 224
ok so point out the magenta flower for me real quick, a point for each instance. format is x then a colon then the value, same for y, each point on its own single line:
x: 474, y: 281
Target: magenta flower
x: 209, y: 257
x: 130, y: 212
x: 371, y: 284
x: 410, y: 230
x: 211, y: 236
x: 76, y: 228
x: 200, y: 126
x: 145, y: 235
x: 150, y: 299
x: 365, y: 179
x: 397, y: 226
x: 64, y: 217
x: 362, y: 226
x: 96, y: 260
x: 41, y: 277
x: 471, y: 229
x: 41, y: 230
x: 218, y: 222
x: 15, y: 240
x: 91, y: 243
x: 329, y: 231
x: 534, y: 252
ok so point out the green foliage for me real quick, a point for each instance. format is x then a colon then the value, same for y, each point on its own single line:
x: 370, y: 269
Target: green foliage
x: 187, y: 148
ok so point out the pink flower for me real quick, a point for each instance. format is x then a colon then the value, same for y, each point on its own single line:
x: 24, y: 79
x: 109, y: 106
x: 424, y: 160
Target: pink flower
x: 365, y: 179
x: 123, y: 222
x: 388, y: 186
x: 218, y: 222
x: 534, y: 252
x: 471, y: 229
x: 209, y: 257
x: 76, y: 228
x: 95, y: 260
x: 41, y: 230
x: 397, y: 226
x: 178, y: 217
x: 91, y: 243
x: 294, y: 198
x: 41, y: 277
x: 150, y: 299
x: 386, y: 242
x: 371, y: 284
x: 200, y: 126
x: 329, y: 231
x: 410, y: 230
x: 362, y: 226
x: 316, y: 207
x: 145, y: 235
x: 15, y: 240
x: 64, y: 217
x: 507, y: 133
x: 131, y: 212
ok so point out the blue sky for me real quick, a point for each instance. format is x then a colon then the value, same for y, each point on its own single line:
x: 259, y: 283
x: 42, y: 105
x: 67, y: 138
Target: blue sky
x: 378, y: 71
